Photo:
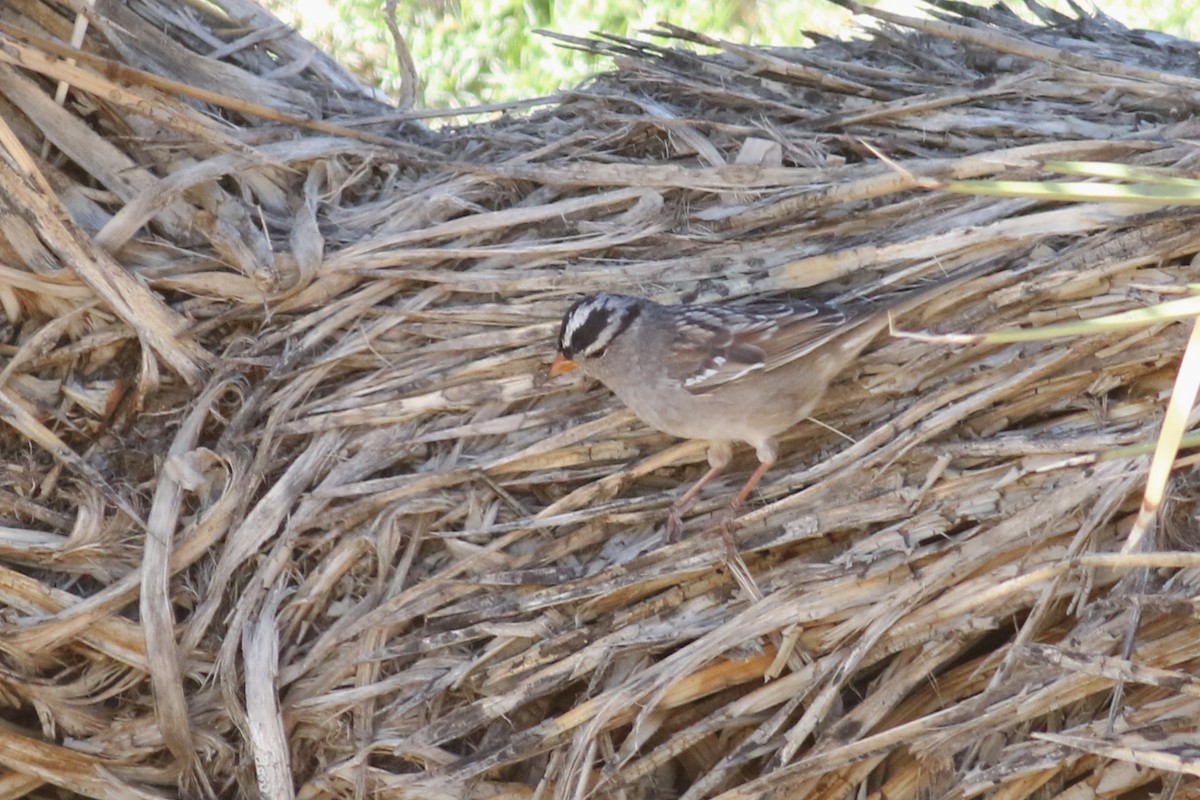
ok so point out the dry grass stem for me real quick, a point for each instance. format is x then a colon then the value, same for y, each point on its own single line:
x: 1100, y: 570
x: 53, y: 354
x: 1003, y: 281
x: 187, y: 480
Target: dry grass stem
x: 289, y: 509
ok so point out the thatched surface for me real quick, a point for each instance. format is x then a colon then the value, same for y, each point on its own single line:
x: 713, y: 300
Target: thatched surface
x: 286, y: 503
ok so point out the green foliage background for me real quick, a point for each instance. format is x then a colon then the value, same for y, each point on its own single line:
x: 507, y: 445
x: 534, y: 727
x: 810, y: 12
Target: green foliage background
x: 473, y: 52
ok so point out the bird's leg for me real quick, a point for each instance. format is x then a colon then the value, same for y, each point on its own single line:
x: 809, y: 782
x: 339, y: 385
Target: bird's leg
x: 719, y: 456
x: 768, y: 452
x: 726, y: 525
x: 755, y: 477
x: 685, y: 501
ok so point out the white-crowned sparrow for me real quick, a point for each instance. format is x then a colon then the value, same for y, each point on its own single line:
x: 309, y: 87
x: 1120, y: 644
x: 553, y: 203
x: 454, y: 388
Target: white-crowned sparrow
x: 720, y: 373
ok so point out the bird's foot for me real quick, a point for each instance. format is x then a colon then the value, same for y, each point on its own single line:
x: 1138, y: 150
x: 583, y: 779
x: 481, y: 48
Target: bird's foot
x: 727, y: 527
x: 674, y: 529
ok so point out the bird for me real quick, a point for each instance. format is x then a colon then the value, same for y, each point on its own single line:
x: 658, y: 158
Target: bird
x: 720, y: 373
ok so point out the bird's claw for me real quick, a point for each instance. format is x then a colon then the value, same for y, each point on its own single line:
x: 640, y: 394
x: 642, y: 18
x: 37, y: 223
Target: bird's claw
x: 726, y: 527
x: 674, y: 526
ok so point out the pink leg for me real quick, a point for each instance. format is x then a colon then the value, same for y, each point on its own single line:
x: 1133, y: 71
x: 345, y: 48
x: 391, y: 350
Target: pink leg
x: 685, y: 501
x: 727, y: 524
x: 719, y: 456
x: 757, y: 476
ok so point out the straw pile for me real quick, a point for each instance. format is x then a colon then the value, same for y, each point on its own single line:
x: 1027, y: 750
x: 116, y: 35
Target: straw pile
x: 288, y: 509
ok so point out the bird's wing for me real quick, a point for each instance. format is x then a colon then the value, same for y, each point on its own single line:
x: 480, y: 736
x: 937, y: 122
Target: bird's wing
x: 714, y: 345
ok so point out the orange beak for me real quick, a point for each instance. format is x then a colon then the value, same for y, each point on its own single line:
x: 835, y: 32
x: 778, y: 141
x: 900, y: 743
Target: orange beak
x: 561, y: 365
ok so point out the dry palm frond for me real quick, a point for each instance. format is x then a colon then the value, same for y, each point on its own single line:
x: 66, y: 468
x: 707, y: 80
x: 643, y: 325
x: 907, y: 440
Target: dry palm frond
x: 286, y: 505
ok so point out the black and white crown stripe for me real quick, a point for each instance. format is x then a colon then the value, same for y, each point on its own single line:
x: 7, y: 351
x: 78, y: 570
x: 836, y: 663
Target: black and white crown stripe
x: 592, y: 323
